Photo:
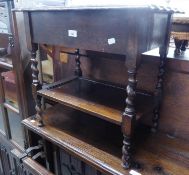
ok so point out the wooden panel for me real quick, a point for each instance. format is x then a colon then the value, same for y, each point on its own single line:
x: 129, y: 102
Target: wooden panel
x: 71, y: 165
x: 104, y: 23
x: 174, y: 114
x: 27, y: 166
x: 133, y: 31
x: 111, y: 68
x: 174, y: 118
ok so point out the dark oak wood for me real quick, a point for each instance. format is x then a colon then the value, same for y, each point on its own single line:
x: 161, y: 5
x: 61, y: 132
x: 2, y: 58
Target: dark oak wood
x: 13, y: 59
x: 102, y: 150
x: 78, y: 70
x: 127, y: 31
x: 82, y: 22
x: 174, y: 115
x: 129, y: 118
x: 163, y: 51
x: 174, y: 112
x: 28, y: 166
x: 97, y: 98
x: 36, y: 84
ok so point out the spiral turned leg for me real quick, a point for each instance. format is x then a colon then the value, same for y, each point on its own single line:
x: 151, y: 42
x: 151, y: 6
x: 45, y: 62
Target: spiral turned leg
x: 128, y: 120
x: 39, y: 111
x: 126, y: 151
x: 78, y: 70
x: 158, y: 94
x: 36, y: 85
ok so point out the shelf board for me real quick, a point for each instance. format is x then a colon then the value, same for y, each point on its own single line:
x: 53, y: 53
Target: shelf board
x: 98, y: 143
x: 101, y: 100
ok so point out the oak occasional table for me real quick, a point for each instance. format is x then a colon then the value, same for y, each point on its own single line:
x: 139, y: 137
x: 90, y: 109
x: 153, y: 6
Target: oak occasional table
x: 122, y: 30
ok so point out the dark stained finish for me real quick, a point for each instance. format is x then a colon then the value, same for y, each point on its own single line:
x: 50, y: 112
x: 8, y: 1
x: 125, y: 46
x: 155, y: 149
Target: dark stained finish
x: 97, y: 98
x: 74, y: 132
x: 163, y: 51
x: 121, y: 31
x: 36, y: 84
x: 174, y: 112
x: 73, y: 165
x: 28, y: 166
x: 129, y: 118
x: 13, y: 87
x: 78, y: 71
x: 107, y: 25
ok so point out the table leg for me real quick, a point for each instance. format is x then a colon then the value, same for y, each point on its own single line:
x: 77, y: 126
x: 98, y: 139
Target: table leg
x: 36, y: 85
x: 159, y: 91
x: 128, y: 121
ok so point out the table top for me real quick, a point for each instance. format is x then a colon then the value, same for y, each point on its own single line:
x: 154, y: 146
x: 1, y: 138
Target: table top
x: 41, y: 5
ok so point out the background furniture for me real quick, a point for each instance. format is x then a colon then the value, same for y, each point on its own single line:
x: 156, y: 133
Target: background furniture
x: 180, y: 33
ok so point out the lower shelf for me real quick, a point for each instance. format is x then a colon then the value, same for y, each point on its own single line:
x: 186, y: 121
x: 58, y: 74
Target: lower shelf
x: 96, y: 98
x: 99, y: 143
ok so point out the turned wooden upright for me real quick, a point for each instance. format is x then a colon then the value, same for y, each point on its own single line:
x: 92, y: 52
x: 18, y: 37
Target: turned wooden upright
x: 36, y: 85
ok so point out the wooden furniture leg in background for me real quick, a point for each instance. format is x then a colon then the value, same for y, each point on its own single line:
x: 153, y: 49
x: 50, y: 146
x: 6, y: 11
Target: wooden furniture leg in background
x: 184, y: 45
x: 178, y: 44
x: 36, y: 85
x: 128, y: 121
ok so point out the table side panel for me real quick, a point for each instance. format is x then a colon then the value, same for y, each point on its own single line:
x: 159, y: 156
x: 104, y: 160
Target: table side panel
x: 129, y: 32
